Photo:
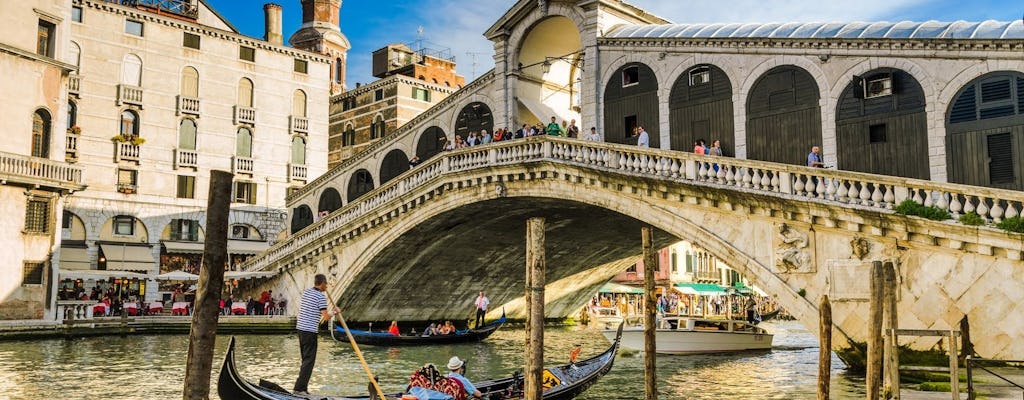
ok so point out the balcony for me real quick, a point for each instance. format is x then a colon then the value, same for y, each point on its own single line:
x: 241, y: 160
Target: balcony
x: 298, y: 124
x: 188, y: 105
x: 241, y: 165
x: 186, y: 158
x: 74, y: 84
x: 296, y: 172
x: 245, y: 115
x: 125, y: 151
x: 35, y: 171
x: 127, y: 188
x: 131, y: 95
x: 71, y: 146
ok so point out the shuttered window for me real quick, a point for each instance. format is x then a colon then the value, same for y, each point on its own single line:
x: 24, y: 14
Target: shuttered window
x: 995, y: 90
x: 32, y: 273
x: 964, y: 108
x: 1000, y: 154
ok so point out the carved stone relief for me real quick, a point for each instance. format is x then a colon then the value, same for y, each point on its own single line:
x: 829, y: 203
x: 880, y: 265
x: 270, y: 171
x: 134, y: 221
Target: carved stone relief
x: 793, y: 251
x: 860, y: 247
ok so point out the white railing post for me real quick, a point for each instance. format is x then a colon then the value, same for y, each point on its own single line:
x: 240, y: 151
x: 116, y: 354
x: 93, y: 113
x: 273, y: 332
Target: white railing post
x: 546, y: 149
x: 691, y: 169
x: 785, y: 182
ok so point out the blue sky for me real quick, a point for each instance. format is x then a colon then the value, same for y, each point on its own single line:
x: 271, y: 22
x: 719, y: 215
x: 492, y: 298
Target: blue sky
x: 459, y: 24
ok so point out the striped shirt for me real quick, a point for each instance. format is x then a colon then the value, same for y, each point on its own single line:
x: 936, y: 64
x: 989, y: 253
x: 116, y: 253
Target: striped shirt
x: 309, y: 310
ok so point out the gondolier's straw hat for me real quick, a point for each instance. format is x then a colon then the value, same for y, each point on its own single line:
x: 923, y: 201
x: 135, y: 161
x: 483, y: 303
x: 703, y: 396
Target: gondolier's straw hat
x: 454, y: 363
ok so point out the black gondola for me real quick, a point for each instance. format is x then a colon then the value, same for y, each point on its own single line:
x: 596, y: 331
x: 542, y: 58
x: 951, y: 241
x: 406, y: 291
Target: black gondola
x: 568, y: 381
x: 387, y: 339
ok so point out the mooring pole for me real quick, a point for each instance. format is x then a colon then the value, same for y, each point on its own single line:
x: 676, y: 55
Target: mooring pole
x: 650, y: 315
x: 533, y: 386
x: 874, y: 361
x: 203, y: 335
x: 824, y: 348
x: 891, y: 363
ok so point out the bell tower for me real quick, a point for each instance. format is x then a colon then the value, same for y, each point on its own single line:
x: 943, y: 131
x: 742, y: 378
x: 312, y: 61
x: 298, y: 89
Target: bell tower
x: 321, y: 33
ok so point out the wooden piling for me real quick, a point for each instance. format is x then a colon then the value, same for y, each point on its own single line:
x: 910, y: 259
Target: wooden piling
x: 533, y: 387
x: 891, y: 363
x: 873, y: 380
x: 203, y: 335
x: 650, y: 314
x: 824, y: 348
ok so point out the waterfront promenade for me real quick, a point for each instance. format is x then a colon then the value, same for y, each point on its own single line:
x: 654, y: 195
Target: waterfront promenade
x: 158, y: 324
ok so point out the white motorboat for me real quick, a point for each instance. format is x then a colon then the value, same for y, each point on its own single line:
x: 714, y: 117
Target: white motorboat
x: 605, y: 318
x: 690, y: 335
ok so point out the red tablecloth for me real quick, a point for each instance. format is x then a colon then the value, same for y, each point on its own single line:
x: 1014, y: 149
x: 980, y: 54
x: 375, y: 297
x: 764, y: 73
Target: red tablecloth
x: 156, y: 306
x: 238, y: 307
x: 179, y: 308
x: 100, y: 309
x: 131, y: 308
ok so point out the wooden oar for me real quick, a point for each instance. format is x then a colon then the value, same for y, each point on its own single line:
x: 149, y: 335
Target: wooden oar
x: 362, y: 360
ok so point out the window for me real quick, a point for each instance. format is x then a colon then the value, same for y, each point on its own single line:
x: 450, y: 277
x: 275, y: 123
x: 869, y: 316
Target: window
x: 133, y: 27
x: 339, y: 70
x: 630, y: 76
x: 1000, y: 154
x: 76, y: 14
x: 37, y: 215
x: 124, y: 225
x: 129, y: 124
x: 247, y: 53
x: 245, y: 89
x: 72, y: 114
x: 378, y: 95
x: 190, y: 40
x: 189, y: 82
x: 45, y: 38
x: 185, y: 229
x: 127, y: 179
x: 299, y: 103
x: 186, y: 187
x: 298, y: 150
x: 675, y: 263
x: 131, y: 70
x: 65, y: 221
x: 239, y: 232
x: 377, y: 128
x: 348, y: 138
x: 878, y: 86
x: 700, y: 76
x: 876, y: 133
x: 689, y: 263
x: 301, y: 66
x: 41, y: 134
x: 187, y: 134
x: 420, y: 94
x: 33, y: 273
x: 245, y: 192
x: 243, y: 143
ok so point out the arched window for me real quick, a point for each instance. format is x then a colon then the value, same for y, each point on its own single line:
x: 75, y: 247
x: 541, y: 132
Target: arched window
x: 131, y: 70
x: 245, y: 92
x: 189, y: 82
x: 298, y: 150
x: 72, y: 114
x: 74, y: 54
x: 187, y: 134
x: 360, y: 183
x: 339, y: 70
x: 348, y: 137
x: 129, y: 123
x: 377, y: 129
x: 243, y: 143
x: 41, y: 134
x: 299, y: 104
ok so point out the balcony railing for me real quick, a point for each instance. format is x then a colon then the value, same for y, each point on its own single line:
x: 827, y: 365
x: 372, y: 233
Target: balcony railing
x: 125, y: 151
x: 127, y: 94
x: 298, y: 124
x: 296, y: 172
x: 71, y: 147
x: 186, y: 158
x: 39, y: 171
x: 188, y: 105
x: 241, y: 165
x: 127, y: 188
x: 74, y: 84
x: 245, y: 115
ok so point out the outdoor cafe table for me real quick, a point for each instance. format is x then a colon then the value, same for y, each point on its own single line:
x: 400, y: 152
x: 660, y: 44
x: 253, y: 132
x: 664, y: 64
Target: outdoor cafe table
x: 100, y: 309
x: 179, y: 308
x: 131, y: 308
x: 156, y: 307
x: 239, y: 307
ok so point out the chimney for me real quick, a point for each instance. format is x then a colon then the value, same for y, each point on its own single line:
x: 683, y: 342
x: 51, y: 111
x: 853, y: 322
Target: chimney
x: 272, y: 14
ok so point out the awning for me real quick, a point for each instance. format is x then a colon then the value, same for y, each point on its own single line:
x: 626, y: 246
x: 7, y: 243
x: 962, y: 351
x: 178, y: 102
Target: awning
x: 247, y: 275
x: 612, y: 287
x: 98, y: 275
x: 544, y: 113
x: 184, y: 247
x: 178, y: 275
x: 702, y: 289
x: 121, y: 256
x: 73, y: 258
x: 247, y: 246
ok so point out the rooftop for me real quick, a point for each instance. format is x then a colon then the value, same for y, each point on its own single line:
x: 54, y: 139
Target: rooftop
x: 828, y: 30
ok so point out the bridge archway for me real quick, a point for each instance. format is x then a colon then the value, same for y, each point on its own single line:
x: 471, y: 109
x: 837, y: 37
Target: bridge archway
x: 631, y: 100
x: 986, y: 119
x: 430, y: 143
x: 550, y: 65
x: 302, y: 217
x: 360, y: 183
x: 330, y: 200
x: 783, y: 116
x: 474, y: 117
x: 700, y: 107
x: 394, y: 164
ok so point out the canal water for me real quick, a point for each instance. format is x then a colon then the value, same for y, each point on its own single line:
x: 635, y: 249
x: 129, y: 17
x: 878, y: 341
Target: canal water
x: 152, y: 367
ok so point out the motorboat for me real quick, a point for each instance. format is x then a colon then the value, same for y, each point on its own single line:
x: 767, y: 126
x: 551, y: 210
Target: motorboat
x: 605, y: 317
x: 692, y: 335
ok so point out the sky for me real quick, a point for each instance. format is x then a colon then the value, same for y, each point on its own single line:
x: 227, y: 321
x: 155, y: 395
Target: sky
x: 459, y: 25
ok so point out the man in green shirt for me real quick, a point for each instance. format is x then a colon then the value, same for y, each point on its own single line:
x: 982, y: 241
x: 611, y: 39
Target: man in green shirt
x: 553, y: 128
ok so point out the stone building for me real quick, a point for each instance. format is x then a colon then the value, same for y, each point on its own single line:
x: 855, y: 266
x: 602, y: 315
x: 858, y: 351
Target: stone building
x: 410, y: 82
x: 146, y: 98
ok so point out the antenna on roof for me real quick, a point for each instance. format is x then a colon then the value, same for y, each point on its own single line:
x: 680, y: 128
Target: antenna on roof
x: 473, y: 55
x: 419, y: 38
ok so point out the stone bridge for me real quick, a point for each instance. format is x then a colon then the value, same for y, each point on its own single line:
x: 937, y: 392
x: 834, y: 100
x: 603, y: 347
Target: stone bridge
x: 419, y: 246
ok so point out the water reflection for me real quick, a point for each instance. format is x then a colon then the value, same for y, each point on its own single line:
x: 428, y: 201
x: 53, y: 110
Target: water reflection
x: 148, y: 367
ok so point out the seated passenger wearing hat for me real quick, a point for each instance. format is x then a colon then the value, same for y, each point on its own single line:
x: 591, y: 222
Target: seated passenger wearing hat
x: 457, y: 367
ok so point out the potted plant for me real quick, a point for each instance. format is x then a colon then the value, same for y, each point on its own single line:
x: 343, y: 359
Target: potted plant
x: 119, y: 138
x: 75, y: 130
x: 137, y: 140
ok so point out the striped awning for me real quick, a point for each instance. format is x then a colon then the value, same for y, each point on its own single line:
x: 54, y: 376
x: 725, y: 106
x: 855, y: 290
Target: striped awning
x: 700, y: 289
x: 247, y: 246
x: 184, y: 247
x: 98, y: 275
x: 126, y: 257
x: 74, y: 258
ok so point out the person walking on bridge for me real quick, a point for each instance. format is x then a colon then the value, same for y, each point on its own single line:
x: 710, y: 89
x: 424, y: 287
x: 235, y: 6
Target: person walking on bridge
x: 312, y: 310
x: 481, y: 308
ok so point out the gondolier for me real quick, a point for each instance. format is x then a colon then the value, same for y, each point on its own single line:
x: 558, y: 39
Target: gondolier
x: 312, y: 309
x: 481, y: 308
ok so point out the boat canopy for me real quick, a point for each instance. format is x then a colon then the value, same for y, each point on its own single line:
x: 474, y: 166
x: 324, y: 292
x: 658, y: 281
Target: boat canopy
x: 612, y: 287
x: 700, y: 289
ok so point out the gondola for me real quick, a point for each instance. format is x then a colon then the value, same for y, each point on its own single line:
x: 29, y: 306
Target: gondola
x: 387, y: 339
x: 567, y: 381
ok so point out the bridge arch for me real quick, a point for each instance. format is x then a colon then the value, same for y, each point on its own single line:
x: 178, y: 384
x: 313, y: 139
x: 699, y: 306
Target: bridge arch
x: 474, y: 117
x: 394, y: 164
x: 549, y: 61
x: 700, y: 107
x: 359, y: 183
x: 302, y: 216
x: 631, y: 100
x: 430, y: 142
x: 522, y: 28
x: 783, y: 109
x: 330, y: 200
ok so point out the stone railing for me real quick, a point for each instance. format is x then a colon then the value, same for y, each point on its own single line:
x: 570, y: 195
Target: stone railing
x: 71, y: 146
x: 860, y: 190
x: 297, y: 172
x: 125, y: 151
x: 242, y: 165
x: 298, y: 124
x: 127, y: 94
x: 74, y: 309
x: 188, y: 105
x: 186, y: 158
x: 39, y: 171
x: 74, y: 84
x: 245, y: 115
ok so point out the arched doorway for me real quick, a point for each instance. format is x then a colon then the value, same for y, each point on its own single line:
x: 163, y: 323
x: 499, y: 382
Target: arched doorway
x: 700, y: 107
x: 394, y: 164
x: 474, y: 117
x: 881, y: 125
x: 630, y: 101
x: 783, y: 116
x: 359, y: 184
x: 550, y: 66
x: 330, y: 200
x: 430, y: 143
x: 985, y: 132
x: 302, y: 217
